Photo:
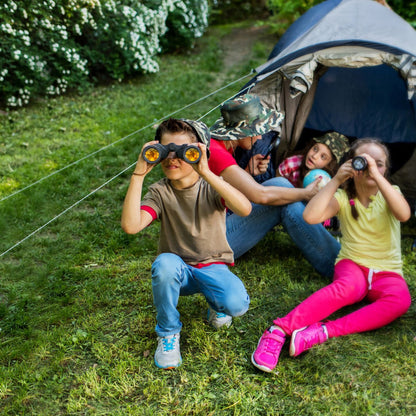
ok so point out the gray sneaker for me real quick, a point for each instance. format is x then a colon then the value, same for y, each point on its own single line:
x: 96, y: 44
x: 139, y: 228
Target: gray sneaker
x: 219, y: 319
x: 168, y: 353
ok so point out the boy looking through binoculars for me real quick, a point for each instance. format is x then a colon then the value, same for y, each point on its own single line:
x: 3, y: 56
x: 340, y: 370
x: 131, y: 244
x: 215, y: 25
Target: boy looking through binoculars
x: 194, y: 254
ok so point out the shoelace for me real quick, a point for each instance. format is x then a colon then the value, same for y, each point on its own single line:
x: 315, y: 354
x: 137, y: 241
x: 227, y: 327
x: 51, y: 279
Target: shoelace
x: 169, y: 344
x: 220, y: 314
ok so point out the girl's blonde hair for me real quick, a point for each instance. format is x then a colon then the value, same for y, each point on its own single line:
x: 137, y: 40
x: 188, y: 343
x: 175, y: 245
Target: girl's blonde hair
x: 349, y: 185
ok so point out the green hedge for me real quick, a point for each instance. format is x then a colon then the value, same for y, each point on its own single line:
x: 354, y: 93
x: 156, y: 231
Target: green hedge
x: 49, y: 46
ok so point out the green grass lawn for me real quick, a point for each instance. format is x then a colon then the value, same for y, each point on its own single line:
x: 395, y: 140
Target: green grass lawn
x: 76, y: 315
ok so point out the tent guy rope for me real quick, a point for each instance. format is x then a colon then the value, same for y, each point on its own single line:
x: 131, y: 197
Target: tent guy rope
x: 118, y: 174
x: 125, y: 137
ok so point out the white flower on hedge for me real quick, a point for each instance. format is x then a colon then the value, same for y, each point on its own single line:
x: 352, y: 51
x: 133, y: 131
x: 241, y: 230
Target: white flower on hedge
x: 84, y: 15
x: 46, y: 24
x: 13, y: 6
x: 134, y: 29
x: 6, y: 28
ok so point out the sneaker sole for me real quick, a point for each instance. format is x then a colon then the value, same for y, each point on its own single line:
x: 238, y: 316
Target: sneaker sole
x: 167, y: 368
x: 292, y: 348
x: 259, y: 366
x: 226, y: 325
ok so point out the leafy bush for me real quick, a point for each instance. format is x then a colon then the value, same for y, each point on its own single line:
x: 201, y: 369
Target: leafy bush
x: 287, y: 11
x: 184, y: 24
x: 405, y: 9
x: 227, y: 11
x: 49, y: 46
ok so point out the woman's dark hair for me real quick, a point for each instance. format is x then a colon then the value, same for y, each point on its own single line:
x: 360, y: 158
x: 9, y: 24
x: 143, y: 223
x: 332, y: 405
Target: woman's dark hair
x: 349, y: 185
x: 173, y: 125
x: 331, y: 167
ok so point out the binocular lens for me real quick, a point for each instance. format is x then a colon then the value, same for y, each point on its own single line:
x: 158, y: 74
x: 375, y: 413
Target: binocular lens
x: 157, y: 152
x: 192, y: 155
x: 151, y: 155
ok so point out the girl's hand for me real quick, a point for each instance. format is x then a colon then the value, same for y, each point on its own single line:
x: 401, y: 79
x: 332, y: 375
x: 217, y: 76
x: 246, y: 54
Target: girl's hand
x: 345, y: 172
x: 372, y: 167
x: 258, y: 165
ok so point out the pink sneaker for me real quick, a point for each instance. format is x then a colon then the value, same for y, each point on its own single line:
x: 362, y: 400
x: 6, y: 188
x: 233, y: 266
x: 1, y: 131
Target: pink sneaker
x: 267, y: 353
x: 305, y: 338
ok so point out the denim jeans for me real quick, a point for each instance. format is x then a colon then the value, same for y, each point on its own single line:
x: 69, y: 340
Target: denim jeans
x: 172, y: 277
x: 318, y: 246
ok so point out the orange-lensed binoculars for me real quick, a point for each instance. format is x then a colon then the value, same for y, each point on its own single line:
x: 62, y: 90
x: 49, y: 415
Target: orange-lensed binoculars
x: 154, y: 153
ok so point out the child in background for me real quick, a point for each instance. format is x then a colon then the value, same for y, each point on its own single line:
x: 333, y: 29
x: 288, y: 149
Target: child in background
x: 324, y: 152
x: 194, y: 253
x: 368, y: 266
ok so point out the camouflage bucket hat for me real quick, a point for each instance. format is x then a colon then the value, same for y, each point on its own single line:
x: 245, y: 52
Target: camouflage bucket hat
x: 336, y: 142
x: 245, y: 116
x: 201, y: 130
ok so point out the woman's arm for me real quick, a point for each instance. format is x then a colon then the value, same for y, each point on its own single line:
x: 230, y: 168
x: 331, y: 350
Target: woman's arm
x: 233, y: 198
x: 266, y: 195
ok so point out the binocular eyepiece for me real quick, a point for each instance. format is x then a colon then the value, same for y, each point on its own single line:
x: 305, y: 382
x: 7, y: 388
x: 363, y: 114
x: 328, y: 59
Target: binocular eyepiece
x: 154, y: 153
x: 359, y: 163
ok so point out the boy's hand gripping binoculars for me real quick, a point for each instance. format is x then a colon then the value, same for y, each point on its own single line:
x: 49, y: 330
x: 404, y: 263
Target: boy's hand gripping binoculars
x: 154, y: 153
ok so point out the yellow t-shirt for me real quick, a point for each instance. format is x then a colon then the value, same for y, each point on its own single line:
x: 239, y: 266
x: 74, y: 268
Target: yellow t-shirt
x: 373, y: 240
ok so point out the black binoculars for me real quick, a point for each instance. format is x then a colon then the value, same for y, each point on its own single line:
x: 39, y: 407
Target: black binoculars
x: 154, y: 153
x: 359, y: 163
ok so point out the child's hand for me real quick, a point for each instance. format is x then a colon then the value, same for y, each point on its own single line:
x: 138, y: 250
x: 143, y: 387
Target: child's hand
x: 345, y: 172
x: 202, y: 166
x: 258, y: 165
x: 372, y: 167
x: 313, y: 188
x: 142, y: 167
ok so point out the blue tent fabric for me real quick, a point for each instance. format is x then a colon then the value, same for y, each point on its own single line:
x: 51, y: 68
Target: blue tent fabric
x: 368, y: 99
x: 385, y: 112
x: 302, y: 25
x: 343, y: 22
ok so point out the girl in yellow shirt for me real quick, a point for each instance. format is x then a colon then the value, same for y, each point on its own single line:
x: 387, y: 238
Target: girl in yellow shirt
x: 368, y: 266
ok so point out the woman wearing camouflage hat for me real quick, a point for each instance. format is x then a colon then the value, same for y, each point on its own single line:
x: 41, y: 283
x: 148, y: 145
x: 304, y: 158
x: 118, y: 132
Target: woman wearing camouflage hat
x: 275, y: 201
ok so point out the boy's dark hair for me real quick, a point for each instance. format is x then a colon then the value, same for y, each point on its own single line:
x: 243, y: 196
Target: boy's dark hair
x: 349, y: 185
x: 174, y: 125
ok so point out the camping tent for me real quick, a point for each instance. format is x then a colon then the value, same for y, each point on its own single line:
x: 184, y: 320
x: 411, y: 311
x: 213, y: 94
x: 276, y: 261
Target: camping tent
x: 348, y: 66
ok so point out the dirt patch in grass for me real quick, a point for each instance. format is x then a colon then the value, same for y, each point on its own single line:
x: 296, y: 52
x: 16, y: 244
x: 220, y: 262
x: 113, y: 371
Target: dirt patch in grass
x: 237, y: 46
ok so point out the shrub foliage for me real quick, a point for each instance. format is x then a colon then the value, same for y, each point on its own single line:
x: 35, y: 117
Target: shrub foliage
x: 49, y: 46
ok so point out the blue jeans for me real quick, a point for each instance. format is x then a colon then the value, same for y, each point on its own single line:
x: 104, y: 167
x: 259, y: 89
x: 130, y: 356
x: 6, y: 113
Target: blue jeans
x: 172, y: 277
x: 318, y: 246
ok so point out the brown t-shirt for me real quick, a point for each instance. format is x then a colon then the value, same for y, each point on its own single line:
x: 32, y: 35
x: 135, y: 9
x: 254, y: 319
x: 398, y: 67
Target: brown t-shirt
x: 192, y: 222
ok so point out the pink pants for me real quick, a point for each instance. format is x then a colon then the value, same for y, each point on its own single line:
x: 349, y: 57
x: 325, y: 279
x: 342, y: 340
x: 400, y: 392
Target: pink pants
x: 387, y: 293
